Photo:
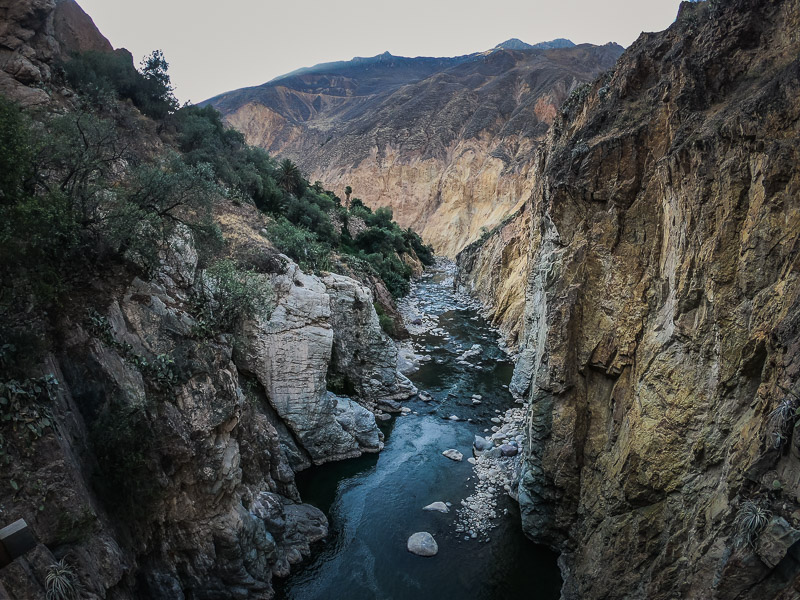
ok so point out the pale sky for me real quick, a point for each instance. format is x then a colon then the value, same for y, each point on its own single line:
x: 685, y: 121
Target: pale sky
x: 221, y: 45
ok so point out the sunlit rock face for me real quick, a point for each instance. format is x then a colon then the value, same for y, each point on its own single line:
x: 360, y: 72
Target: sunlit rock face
x: 662, y: 316
x: 446, y: 143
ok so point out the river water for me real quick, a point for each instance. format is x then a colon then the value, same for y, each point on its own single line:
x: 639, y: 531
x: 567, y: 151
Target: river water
x: 374, y: 503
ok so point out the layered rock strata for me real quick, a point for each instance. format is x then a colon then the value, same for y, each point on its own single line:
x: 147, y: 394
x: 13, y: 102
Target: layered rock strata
x: 660, y: 342
x: 494, y: 269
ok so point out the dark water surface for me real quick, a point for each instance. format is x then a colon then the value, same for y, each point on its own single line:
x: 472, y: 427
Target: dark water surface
x: 374, y: 503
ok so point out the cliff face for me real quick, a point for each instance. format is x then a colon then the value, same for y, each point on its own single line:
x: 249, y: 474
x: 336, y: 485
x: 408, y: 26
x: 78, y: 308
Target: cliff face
x: 205, y: 434
x: 661, y: 328
x: 446, y: 143
x: 34, y: 34
x: 494, y: 270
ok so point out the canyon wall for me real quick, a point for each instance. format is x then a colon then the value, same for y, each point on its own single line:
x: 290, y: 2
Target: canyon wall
x: 446, y: 143
x: 494, y: 270
x: 660, y: 348
x: 169, y: 467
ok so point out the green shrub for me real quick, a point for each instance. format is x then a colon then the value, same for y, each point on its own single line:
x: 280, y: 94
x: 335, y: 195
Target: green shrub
x: 226, y: 294
x: 299, y: 244
x: 102, y: 76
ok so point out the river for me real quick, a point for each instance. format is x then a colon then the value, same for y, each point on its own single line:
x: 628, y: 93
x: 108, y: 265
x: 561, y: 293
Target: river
x: 374, y: 503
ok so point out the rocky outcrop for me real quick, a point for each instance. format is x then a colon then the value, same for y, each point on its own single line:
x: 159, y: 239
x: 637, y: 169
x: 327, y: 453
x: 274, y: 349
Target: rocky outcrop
x: 660, y: 341
x: 33, y: 35
x: 362, y: 354
x: 446, y: 143
x: 494, y: 269
x: 169, y: 471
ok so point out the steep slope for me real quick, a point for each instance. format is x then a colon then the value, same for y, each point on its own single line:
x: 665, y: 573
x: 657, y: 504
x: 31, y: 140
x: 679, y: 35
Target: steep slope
x: 35, y: 33
x: 446, y: 143
x: 661, y: 349
x: 150, y: 448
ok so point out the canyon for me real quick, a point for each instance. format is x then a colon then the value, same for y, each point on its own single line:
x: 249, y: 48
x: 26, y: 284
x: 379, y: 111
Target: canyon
x: 446, y: 143
x: 629, y: 222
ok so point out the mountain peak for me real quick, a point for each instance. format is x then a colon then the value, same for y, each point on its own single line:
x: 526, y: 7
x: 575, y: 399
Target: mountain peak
x: 517, y: 44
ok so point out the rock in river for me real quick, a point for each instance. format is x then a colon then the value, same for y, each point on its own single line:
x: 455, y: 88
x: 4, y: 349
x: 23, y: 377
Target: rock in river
x: 437, y: 506
x: 422, y: 544
x: 481, y: 443
x: 453, y: 454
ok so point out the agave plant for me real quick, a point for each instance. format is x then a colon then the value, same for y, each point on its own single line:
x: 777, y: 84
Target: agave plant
x: 61, y: 583
x: 783, y: 414
x: 750, y: 520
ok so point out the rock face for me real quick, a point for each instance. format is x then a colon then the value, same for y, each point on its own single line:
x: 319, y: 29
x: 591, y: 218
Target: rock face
x: 494, y: 269
x: 362, y: 354
x: 446, y: 143
x: 34, y: 33
x: 662, y: 315
x: 203, y: 437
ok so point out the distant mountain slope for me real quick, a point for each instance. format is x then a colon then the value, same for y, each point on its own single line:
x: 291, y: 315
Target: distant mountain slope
x: 447, y: 143
x: 517, y: 44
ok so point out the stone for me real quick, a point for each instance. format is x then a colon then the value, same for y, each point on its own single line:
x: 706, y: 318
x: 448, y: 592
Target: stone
x: 437, y: 506
x: 481, y: 443
x: 422, y: 544
x: 453, y: 454
x: 508, y: 450
x: 775, y: 540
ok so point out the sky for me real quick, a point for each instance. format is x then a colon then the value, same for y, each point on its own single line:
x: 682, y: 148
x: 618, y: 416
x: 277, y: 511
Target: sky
x: 214, y: 46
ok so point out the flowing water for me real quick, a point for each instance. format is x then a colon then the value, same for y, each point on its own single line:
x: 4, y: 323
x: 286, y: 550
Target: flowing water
x: 374, y: 503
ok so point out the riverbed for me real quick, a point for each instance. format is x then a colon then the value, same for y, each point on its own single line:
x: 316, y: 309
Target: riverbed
x: 374, y: 503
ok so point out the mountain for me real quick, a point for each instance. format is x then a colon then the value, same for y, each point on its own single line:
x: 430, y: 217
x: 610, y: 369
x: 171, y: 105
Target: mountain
x: 447, y: 143
x: 659, y: 345
x: 517, y: 44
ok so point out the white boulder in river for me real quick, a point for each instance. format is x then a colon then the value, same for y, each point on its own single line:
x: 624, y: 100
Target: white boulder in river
x: 453, y: 454
x: 437, y: 506
x: 422, y: 544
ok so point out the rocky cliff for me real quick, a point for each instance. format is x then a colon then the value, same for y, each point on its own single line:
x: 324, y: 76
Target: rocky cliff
x: 169, y: 466
x: 660, y: 345
x: 494, y: 269
x: 34, y: 34
x: 151, y: 453
x: 446, y: 143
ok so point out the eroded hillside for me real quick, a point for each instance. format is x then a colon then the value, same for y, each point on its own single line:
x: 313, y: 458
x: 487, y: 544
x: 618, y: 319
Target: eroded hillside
x: 446, y: 143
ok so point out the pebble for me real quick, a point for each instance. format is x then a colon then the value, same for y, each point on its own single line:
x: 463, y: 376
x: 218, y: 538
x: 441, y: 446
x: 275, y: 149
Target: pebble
x: 453, y: 418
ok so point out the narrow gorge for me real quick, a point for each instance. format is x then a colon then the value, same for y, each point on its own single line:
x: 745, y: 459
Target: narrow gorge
x: 232, y: 367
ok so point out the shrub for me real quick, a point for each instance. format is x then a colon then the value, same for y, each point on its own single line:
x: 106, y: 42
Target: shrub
x: 103, y: 76
x: 226, y: 294
x: 299, y: 244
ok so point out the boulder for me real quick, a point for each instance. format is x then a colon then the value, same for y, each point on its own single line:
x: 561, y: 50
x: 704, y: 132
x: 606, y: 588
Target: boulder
x: 453, y: 454
x: 422, y: 544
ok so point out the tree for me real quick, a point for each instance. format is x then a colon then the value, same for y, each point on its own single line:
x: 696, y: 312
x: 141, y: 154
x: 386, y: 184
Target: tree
x: 347, y: 191
x: 289, y: 177
x: 157, y: 98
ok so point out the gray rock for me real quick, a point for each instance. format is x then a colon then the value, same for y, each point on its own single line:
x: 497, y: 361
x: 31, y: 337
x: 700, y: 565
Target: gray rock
x: 422, y: 544
x: 453, y: 454
x: 481, y: 443
x: 437, y: 506
x: 776, y: 539
x: 508, y: 450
